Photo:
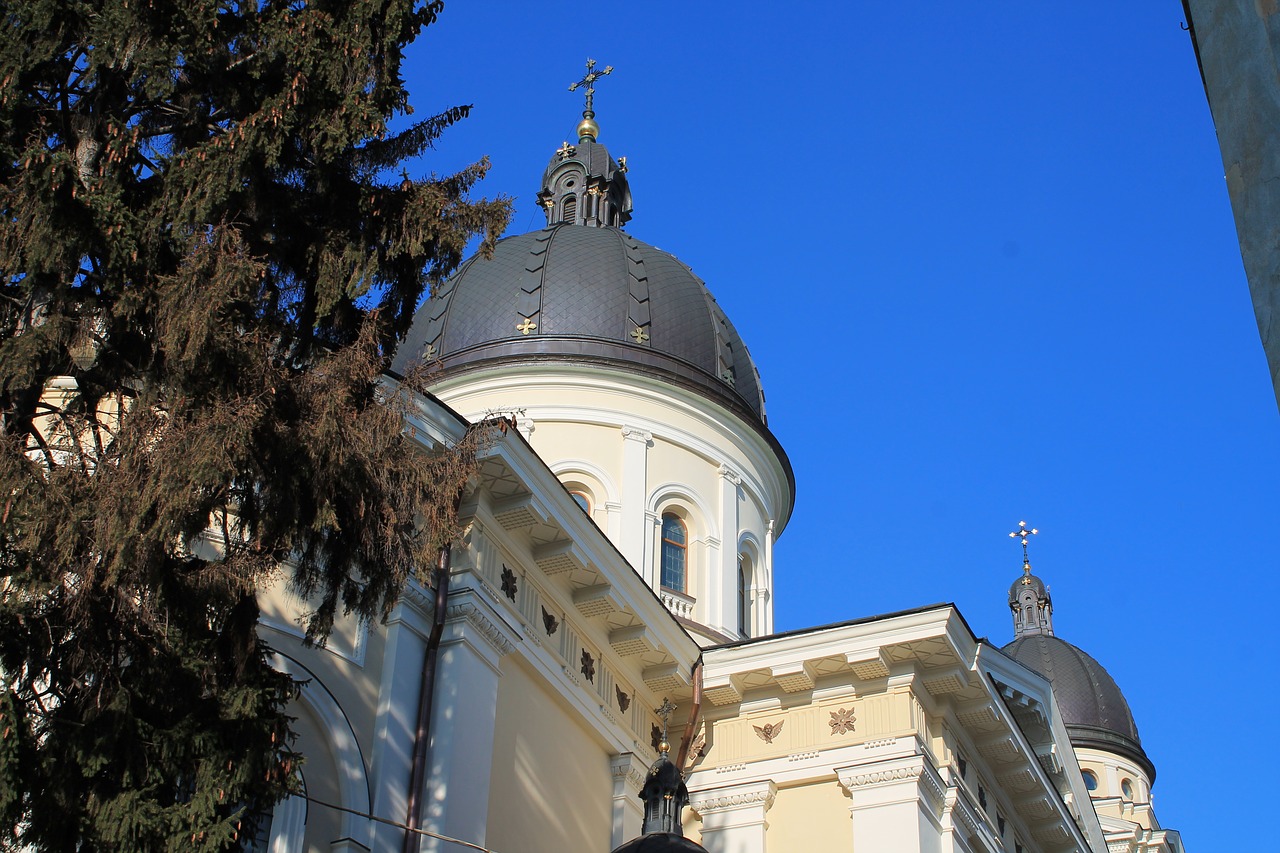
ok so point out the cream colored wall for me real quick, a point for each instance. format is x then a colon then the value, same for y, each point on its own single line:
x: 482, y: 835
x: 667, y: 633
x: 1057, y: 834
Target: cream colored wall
x: 550, y: 788
x: 574, y: 416
x: 806, y: 727
x: 1109, y: 799
x: 808, y: 818
x: 348, y: 666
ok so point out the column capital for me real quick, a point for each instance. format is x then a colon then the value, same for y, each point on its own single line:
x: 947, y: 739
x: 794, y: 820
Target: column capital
x: 750, y: 795
x: 892, y: 772
x: 629, y: 772
x: 636, y: 434
x: 470, y: 617
x: 729, y: 474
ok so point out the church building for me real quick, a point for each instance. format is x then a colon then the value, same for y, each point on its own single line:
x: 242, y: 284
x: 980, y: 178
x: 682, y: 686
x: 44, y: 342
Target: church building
x: 604, y: 628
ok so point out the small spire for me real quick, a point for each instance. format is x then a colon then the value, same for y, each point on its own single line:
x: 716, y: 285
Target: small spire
x: 587, y: 128
x: 664, y: 792
x: 664, y: 711
x: 1029, y: 597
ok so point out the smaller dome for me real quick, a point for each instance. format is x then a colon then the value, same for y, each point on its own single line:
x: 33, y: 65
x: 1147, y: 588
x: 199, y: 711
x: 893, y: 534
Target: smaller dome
x: 660, y: 842
x: 1028, y: 580
x: 1095, y: 712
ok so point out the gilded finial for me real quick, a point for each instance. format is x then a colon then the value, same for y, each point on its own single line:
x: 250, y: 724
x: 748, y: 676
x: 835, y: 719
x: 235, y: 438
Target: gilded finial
x: 587, y: 128
x: 664, y: 711
x: 1022, y: 532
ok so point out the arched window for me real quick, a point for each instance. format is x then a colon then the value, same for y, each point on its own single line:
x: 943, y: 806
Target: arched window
x: 675, y: 552
x: 582, y: 500
x: 1090, y: 780
x: 570, y: 210
x: 744, y: 596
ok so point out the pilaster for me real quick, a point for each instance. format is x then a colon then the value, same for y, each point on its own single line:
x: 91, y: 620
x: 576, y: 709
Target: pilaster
x: 628, y: 810
x: 395, y: 723
x: 635, y: 461
x: 766, y: 625
x: 462, y: 721
x: 733, y: 817
x: 724, y: 600
x: 897, y: 804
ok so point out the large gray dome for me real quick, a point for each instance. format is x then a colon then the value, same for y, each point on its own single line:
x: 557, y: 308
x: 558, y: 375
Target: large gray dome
x: 587, y: 294
x: 1093, y: 708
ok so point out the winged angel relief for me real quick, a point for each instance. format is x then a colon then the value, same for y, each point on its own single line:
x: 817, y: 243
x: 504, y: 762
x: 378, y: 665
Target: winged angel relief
x: 769, y: 731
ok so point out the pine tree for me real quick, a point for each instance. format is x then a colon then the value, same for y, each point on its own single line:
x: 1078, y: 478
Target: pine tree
x: 208, y: 249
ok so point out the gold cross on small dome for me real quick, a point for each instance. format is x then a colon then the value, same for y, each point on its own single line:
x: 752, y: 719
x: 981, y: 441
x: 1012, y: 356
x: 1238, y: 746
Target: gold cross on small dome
x: 526, y: 327
x: 640, y: 335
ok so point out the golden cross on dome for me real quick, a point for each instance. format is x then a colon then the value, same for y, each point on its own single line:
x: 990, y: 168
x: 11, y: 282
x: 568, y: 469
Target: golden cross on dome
x: 1023, y: 532
x: 589, y: 80
x: 526, y: 327
x: 640, y: 335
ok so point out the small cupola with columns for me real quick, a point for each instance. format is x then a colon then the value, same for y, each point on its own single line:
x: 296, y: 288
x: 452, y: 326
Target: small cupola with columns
x: 1028, y: 596
x: 583, y: 184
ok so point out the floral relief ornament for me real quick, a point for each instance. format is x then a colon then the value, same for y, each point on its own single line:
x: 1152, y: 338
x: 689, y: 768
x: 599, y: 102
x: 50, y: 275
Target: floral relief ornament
x: 842, y: 721
x: 509, y: 587
x: 588, y: 666
x: 624, y: 701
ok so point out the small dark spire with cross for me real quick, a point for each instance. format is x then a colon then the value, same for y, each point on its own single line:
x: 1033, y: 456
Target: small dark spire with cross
x: 589, y: 80
x: 664, y: 711
x: 1022, y: 532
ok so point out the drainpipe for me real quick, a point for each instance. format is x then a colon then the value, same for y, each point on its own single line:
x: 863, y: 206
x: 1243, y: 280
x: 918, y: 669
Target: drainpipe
x: 425, y: 699
x: 694, y: 712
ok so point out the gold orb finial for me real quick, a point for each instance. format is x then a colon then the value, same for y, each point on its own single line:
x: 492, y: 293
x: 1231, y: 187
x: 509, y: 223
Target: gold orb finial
x: 587, y: 128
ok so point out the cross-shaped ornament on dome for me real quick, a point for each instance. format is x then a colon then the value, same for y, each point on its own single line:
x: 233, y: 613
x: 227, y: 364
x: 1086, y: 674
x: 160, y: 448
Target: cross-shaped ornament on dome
x: 526, y: 327
x: 1022, y: 532
x: 589, y: 80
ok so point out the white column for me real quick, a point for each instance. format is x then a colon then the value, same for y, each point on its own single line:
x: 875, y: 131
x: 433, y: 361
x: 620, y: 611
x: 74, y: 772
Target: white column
x: 897, y: 804
x: 733, y: 817
x: 462, y: 720
x: 635, y: 453
x: 724, y: 603
x: 628, y: 811
x: 395, y: 725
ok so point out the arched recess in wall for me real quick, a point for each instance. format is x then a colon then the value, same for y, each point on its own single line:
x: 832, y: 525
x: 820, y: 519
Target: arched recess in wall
x: 353, y: 777
x: 578, y: 475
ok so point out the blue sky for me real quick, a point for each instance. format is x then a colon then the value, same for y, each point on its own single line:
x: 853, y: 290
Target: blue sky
x: 984, y: 258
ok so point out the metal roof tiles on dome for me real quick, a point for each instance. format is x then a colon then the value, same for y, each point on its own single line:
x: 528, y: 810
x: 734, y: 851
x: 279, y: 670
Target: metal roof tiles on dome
x: 1093, y: 708
x: 573, y: 292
